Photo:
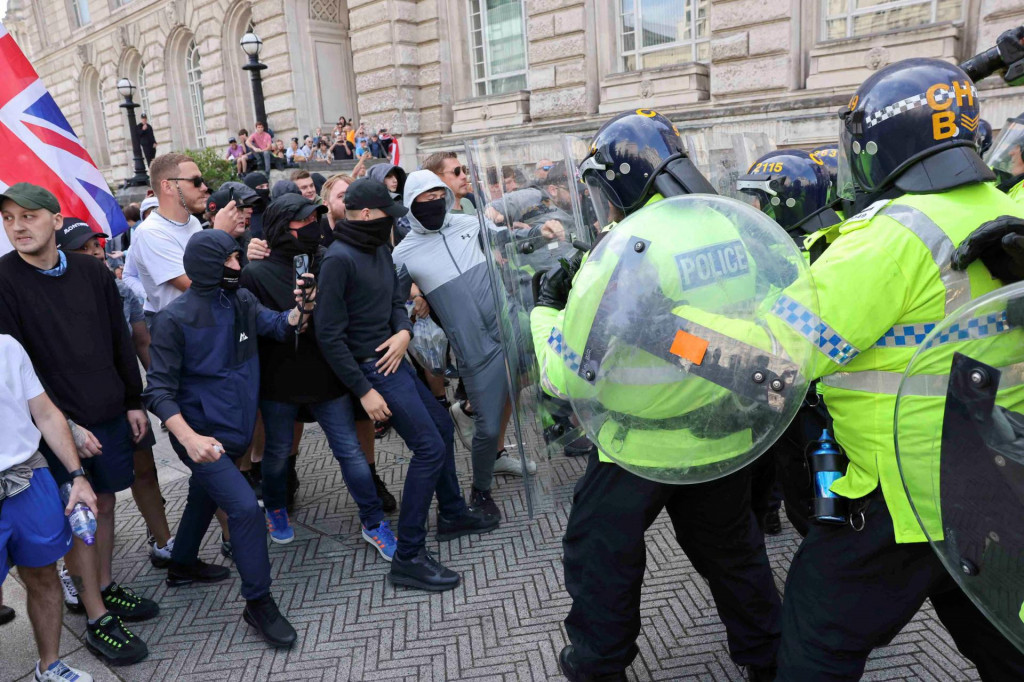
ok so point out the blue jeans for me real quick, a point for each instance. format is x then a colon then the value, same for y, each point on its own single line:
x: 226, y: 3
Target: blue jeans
x: 335, y: 418
x: 428, y: 431
x: 221, y: 484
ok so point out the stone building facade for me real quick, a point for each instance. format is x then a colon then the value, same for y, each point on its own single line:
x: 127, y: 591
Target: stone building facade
x: 443, y: 71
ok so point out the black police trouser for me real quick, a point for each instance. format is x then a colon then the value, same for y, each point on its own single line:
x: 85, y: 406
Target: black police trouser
x: 605, y: 557
x: 850, y: 591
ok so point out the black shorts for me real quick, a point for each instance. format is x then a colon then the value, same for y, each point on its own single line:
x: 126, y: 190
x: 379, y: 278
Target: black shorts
x: 110, y: 472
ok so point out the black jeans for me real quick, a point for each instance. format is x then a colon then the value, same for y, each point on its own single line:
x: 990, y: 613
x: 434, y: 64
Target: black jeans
x: 605, y: 557
x: 851, y: 591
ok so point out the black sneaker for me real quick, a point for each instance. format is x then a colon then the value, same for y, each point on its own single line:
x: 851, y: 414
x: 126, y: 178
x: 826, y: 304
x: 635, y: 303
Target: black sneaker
x: 482, y: 500
x: 567, y: 664
x: 387, y: 501
x: 422, y: 572
x: 113, y: 643
x: 264, y: 615
x: 6, y: 615
x: 772, y: 524
x: 580, y: 447
x: 198, y: 572
x: 380, y: 429
x: 126, y: 605
x: 471, y: 521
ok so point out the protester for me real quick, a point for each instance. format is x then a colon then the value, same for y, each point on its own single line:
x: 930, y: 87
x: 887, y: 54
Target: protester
x: 203, y: 384
x: 36, y: 533
x: 147, y: 139
x: 294, y: 374
x: 65, y: 311
x: 447, y: 167
x: 77, y: 237
x: 364, y: 330
x: 393, y: 178
x: 258, y: 182
x: 304, y: 181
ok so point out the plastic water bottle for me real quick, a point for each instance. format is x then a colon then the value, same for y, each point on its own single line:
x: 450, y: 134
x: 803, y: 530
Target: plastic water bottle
x: 82, y: 520
x: 828, y: 465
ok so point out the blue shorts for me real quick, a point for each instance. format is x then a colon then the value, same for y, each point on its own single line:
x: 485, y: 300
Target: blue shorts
x: 33, y: 529
x: 114, y: 469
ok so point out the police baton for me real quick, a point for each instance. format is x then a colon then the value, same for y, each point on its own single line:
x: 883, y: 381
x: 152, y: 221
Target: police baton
x: 1005, y: 59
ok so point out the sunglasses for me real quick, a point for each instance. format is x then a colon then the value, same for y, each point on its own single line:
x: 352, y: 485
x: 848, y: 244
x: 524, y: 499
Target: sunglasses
x: 547, y: 168
x: 197, y: 181
x: 457, y: 171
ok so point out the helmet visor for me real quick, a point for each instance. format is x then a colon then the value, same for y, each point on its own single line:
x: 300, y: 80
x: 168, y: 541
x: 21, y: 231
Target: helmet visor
x: 1006, y: 156
x: 846, y: 186
x: 604, y: 207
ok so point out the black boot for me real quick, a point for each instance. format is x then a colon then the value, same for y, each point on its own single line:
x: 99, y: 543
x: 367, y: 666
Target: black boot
x: 264, y: 615
x: 198, y: 572
x: 469, y: 522
x: 567, y: 664
x: 387, y: 501
x: 422, y: 572
x: 482, y: 500
x: 771, y: 524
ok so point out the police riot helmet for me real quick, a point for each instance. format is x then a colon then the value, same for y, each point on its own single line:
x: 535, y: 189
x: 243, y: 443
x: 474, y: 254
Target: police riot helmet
x: 788, y: 185
x: 983, y: 137
x: 628, y: 160
x: 912, y: 126
x: 1006, y: 156
x: 828, y: 157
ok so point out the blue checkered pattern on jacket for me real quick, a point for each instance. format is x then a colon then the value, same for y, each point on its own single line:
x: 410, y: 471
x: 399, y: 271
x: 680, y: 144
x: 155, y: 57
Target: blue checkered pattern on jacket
x: 906, y: 335
x: 569, y: 356
x: 811, y: 327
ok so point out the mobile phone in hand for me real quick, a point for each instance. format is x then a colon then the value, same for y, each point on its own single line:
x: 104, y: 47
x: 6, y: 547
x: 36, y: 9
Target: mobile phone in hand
x: 301, y: 265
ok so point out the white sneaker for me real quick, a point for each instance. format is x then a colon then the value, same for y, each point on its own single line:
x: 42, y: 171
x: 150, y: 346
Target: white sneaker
x: 61, y: 672
x: 513, y: 466
x: 464, y: 426
x: 71, y: 600
x: 160, y: 557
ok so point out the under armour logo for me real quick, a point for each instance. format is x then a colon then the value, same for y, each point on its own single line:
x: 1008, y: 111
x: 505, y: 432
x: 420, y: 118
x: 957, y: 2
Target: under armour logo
x: 466, y: 236
x: 242, y: 337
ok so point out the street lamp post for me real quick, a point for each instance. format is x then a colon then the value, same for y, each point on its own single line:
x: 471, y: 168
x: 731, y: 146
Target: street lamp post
x: 127, y: 90
x: 251, y: 45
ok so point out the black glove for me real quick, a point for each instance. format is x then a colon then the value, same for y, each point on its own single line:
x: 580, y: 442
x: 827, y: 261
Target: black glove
x: 999, y: 244
x: 557, y: 282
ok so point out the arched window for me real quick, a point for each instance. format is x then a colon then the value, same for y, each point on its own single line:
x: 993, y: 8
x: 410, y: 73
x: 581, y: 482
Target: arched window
x: 140, y: 82
x: 194, y: 80
x: 93, y: 131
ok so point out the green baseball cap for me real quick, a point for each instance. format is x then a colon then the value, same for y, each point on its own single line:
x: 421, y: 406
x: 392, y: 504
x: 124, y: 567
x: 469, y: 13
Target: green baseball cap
x: 27, y: 195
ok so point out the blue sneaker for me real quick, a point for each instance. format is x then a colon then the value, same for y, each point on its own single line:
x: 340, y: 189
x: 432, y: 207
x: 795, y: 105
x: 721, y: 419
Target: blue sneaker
x: 280, y: 530
x: 382, y: 539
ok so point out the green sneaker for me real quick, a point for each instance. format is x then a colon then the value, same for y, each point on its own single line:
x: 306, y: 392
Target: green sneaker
x: 112, y: 642
x: 126, y: 605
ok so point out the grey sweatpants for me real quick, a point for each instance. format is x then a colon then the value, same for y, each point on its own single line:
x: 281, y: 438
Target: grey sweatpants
x: 487, y: 390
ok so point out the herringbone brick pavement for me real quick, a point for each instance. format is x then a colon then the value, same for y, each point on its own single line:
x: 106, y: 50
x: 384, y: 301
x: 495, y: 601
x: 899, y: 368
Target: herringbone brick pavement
x: 502, y: 623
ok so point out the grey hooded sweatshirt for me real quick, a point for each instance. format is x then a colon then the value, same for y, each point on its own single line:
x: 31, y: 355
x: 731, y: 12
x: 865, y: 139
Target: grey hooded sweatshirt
x: 450, y: 268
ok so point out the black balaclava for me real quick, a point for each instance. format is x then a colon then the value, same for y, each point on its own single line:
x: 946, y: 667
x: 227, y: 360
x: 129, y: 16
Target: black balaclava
x: 367, y: 235
x: 204, y: 260
x: 255, y: 179
x: 283, y: 244
x: 430, y: 213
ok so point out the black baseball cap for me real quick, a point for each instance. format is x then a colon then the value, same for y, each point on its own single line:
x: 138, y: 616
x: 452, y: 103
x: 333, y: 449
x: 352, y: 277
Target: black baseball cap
x: 295, y: 207
x: 367, y: 193
x: 74, y: 233
x: 27, y: 195
x: 223, y: 196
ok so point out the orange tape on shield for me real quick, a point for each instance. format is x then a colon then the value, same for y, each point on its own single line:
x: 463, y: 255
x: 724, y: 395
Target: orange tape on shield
x: 689, y: 347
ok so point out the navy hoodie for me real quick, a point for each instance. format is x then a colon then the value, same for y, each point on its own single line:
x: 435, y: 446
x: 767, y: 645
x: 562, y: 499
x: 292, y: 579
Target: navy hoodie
x: 204, y: 357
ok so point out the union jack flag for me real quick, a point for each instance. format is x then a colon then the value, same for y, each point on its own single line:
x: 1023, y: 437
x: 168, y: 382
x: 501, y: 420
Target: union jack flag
x: 40, y: 147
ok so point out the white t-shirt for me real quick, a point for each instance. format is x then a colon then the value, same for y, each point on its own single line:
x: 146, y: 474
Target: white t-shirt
x: 158, y: 247
x: 18, y: 385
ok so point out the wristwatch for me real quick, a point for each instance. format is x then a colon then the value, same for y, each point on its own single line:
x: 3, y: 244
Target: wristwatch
x: 76, y: 473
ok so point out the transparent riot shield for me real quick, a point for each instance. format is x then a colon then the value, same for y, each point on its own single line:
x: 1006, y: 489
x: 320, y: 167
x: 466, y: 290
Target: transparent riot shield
x: 688, y: 338
x: 960, y: 446
x: 722, y: 159
x: 526, y: 211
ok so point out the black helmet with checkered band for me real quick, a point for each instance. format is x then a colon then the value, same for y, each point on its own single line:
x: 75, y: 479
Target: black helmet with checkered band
x: 912, y: 125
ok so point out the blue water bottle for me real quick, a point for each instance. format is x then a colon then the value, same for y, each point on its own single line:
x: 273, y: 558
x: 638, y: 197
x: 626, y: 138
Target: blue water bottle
x: 828, y: 465
x: 82, y: 520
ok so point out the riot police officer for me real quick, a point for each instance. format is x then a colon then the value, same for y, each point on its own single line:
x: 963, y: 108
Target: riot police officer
x: 1006, y: 158
x: 907, y: 141
x: 636, y: 159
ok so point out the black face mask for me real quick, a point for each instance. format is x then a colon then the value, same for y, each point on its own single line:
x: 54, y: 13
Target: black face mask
x: 430, y: 213
x: 365, y: 234
x: 264, y: 194
x: 229, y: 279
x: 309, y: 237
